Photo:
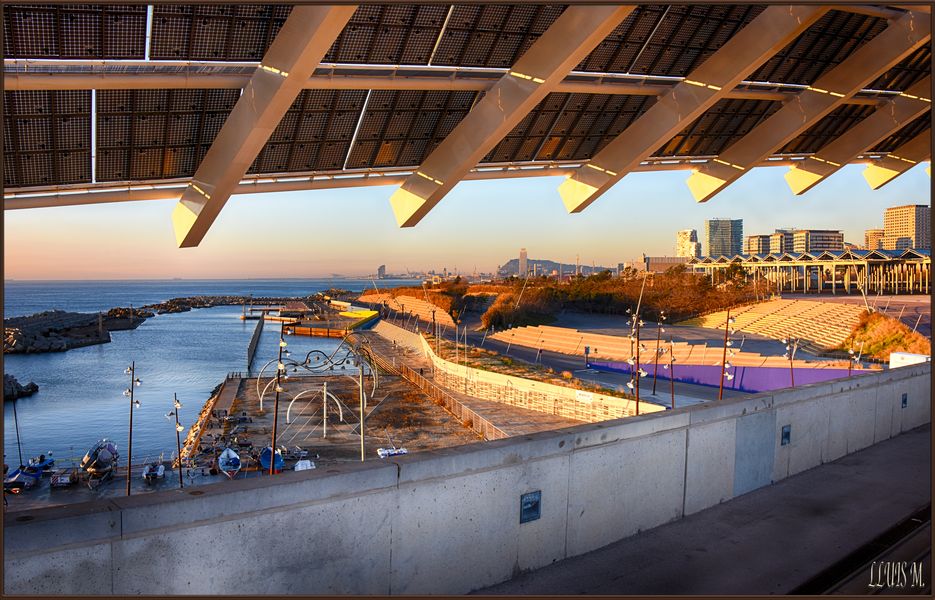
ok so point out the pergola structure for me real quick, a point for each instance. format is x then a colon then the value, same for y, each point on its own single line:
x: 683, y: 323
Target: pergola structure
x: 873, y: 271
x: 112, y: 103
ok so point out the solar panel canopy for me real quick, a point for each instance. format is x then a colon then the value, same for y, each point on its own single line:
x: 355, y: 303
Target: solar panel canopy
x: 105, y: 135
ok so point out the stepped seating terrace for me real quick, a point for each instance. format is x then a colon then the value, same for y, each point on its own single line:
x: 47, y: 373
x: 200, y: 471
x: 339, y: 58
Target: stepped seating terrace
x: 409, y: 305
x: 819, y: 325
x: 619, y: 348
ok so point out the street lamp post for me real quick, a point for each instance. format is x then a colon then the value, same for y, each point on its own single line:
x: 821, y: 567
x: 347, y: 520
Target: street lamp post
x: 134, y: 382
x: 720, y: 391
x: 178, y: 432
x: 280, y: 367
x: 792, y: 344
x: 659, y: 332
x: 672, y: 370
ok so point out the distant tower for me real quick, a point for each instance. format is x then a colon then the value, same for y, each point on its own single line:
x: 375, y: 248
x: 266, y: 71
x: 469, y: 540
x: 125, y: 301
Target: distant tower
x: 907, y: 226
x: 873, y: 239
x: 381, y: 272
x: 686, y: 243
x: 724, y: 237
x: 577, y: 265
x: 522, y: 263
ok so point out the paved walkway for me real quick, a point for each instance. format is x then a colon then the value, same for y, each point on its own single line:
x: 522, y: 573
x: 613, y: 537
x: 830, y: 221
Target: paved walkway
x: 766, y: 542
x: 510, y: 419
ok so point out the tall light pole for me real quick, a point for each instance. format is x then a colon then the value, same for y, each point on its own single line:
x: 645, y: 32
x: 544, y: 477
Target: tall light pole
x: 178, y: 433
x: 659, y: 332
x: 672, y: 370
x: 792, y: 344
x: 19, y: 448
x: 720, y: 391
x: 134, y: 382
x: 279, y: 371
x: 360, y: 369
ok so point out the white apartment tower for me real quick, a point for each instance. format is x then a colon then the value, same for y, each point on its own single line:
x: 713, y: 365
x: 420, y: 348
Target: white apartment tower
x: 907, y: 226
x: 687, y: 244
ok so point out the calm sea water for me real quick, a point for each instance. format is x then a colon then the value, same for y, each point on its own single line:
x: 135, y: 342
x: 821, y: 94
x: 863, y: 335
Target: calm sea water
x: 80, y: 398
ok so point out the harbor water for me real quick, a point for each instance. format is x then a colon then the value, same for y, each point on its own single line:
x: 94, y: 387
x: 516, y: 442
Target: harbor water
x: 80, y: 397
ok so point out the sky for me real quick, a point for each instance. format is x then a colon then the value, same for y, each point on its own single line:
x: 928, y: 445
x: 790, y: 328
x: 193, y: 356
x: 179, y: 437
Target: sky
x: 479, y: 225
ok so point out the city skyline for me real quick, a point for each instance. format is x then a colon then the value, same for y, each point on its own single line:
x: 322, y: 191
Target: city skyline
x: 481, y: 225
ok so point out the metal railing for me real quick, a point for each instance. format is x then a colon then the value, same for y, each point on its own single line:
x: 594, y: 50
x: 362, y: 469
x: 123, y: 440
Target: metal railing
x: 468, y: 417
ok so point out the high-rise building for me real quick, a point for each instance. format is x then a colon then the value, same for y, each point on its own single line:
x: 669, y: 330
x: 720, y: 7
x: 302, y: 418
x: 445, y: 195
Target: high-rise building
x: 522, y: 262
x: 757, y: 244
x: 817, y: 240
x: 907, y: 226
x: 724, y: 237
x: 781, y: 241
x: 381, y: 272
x: 873, y: 239
x: 687, y: 244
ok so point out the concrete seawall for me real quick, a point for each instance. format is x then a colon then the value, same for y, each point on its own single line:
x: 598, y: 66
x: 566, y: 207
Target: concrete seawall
x: 447, y: 521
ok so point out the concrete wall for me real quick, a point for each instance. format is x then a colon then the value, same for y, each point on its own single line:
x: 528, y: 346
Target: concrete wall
x: 447, y: 521
x: 533, y: 395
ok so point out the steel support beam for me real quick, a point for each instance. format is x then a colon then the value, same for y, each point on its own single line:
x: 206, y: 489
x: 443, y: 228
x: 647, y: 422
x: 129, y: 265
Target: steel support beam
x: 742, y: 54
x: 302, y: 42
x: 202, y: 81
x: 537, y: 73
x: 103, y: 193
x: 900, y: 160
x: 889, y: 118
x: 865, y: 64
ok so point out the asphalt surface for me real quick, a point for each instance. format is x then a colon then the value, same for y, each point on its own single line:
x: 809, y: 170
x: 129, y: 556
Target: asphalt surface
x: 768, y: 541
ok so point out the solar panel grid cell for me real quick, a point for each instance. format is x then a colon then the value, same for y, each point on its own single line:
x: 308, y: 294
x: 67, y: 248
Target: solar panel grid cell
x: 905, y: 134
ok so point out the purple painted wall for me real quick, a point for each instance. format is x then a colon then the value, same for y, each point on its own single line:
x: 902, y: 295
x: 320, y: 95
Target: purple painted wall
x: 746, y: 379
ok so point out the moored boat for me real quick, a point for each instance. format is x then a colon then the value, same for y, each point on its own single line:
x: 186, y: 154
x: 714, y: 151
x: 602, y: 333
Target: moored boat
x: 265, y: 460
x: 100, y: 461
x: 21, y: 479
x: 42, y: 463
x: 229, y: 462
x: 154, y: 471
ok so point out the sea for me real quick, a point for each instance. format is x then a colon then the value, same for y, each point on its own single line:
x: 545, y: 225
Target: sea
x: 80, y: 398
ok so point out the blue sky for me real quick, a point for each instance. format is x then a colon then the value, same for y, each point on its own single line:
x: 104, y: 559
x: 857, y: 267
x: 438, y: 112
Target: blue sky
x: 479, y: 224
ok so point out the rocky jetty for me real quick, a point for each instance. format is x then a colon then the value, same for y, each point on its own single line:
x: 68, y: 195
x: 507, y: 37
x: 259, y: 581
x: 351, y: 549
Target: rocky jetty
x: 57, y: 331
x: 52, y: 331
x: 13, y: 390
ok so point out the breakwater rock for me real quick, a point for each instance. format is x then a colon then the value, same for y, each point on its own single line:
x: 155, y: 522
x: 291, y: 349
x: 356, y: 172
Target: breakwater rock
x: 52, y: 331
x: 12, y: 389
x: 57, y: 330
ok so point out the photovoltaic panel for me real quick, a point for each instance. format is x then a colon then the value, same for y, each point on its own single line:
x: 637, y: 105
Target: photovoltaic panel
x: 215, y: 32
x: 910, y: 70
x: 719, y: 127
x: 157, y: 134
x: 47, y: 135
x: 905, y: 134
x: 74, y: 31
x: 823, y: 45
x: 831, y: 126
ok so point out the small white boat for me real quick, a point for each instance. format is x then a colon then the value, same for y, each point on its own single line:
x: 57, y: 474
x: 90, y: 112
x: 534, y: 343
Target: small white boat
x: 384, y: 452
x: 229, y: 462
x: 154, y: 471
